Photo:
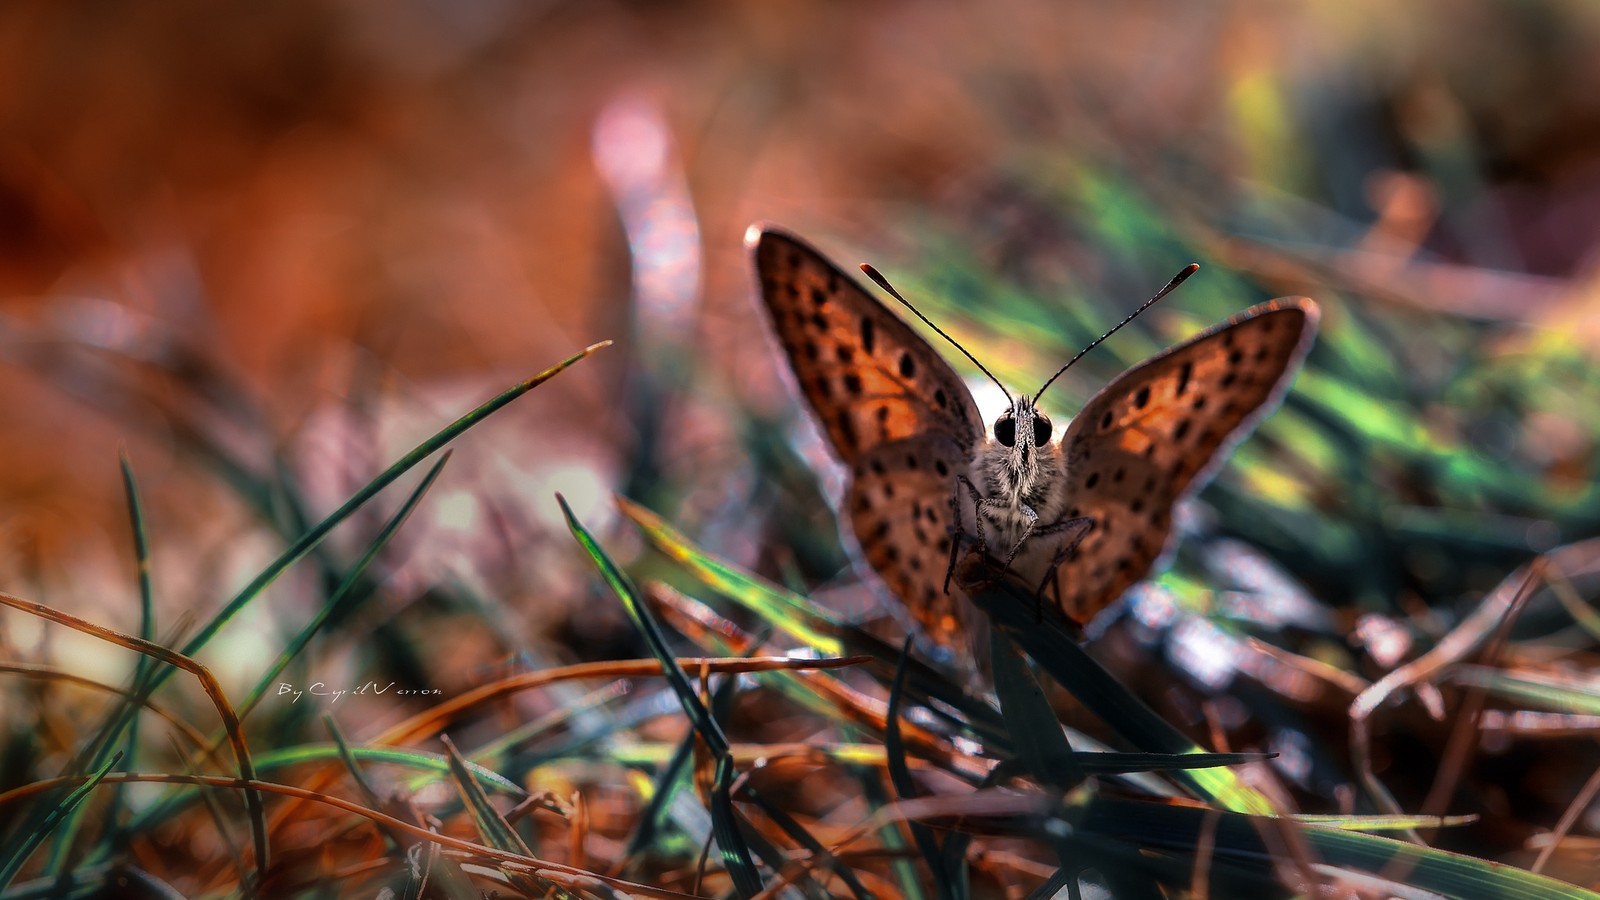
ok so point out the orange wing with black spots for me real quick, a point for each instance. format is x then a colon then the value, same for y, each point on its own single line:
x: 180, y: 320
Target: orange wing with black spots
x: 869, y: 378
x: 894, y: 410
x: 1157, y: 432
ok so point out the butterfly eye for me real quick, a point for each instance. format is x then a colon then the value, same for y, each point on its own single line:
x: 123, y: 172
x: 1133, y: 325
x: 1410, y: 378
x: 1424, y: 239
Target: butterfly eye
x: 1041, y: 430
x: 1005, y: 430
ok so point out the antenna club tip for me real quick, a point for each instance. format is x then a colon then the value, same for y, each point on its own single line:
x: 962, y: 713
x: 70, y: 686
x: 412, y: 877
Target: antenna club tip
x: 879, y: 280
x: 1180, y: 278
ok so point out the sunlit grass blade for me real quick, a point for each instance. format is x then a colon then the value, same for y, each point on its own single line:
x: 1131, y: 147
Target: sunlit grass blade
x: 432, y: 767
x: 1551, y: 691
x: 813, y: 625
x: 1114, y: 763
x: 669, y: 784
x: 1050, y: 645
x: 1383, y: 823
x: 794, y: 615
x: 645, y: 622
x: 735, y: 853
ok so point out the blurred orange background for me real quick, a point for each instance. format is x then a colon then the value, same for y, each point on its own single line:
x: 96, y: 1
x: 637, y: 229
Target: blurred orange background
x: 434, y: 198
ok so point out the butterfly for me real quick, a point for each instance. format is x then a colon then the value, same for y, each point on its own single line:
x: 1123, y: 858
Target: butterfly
x: 1088, y: 514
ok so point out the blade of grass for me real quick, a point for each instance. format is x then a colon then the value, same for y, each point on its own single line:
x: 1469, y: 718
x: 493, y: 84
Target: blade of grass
x: 672, y: 778
x: 417, y: 454
x: 906, y: 789
x: 699, y: 717
x: 208, y: 682
x: 496, y: 831
x: 300, y: 640
x: 1048, y: 642
x: 735, y: 853
x: 357, y: 776
x: 1035, y: 730
x: 353, y: 577
x: 93, y: 752
x: 147, y: 631
x: 32, y: 839
x: 817, y: 627
x: 730, y: 842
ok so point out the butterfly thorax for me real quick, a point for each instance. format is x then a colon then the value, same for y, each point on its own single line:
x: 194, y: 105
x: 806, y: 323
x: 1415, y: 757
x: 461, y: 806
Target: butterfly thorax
x: 1020, y: 469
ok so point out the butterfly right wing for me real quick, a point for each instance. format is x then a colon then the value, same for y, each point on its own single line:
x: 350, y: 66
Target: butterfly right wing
x: 1158, y: 431
x: 870, y: 379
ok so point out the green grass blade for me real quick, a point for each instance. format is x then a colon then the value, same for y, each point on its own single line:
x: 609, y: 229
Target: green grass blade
x: 1035, y: 729
x: 668, y: 784
x: 318, y: 533
x: 735, y: 853
x: 815, y: 626
x: 353, y: 578
x: 496, y: 831
x: 32, y: 839
x: 1057, y: 652
x: 906, y: 788
x: 785, y: 610
x: 731, y: 844
x: 147, y: 630
x: 645, y: 621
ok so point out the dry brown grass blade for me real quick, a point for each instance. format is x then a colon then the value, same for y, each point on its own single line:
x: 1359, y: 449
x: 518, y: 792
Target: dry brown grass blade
x: 1465, y: 638
x: 690, y: 617
x: 1568, y: 818
x: 564, y: 874
x: 208, y: 682
x: 49, y: 673
x: 434, y: 719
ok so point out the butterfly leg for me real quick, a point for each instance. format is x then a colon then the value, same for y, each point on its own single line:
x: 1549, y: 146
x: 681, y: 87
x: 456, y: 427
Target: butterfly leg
x: 1052, y: 577
x: 957, y: 532
x: 1028, y: 530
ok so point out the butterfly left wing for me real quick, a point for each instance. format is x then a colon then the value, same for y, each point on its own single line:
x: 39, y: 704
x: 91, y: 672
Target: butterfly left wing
x: 893, y: 409
x: 1159, y: 431
x: 899, y: 505
x: 869, y: 378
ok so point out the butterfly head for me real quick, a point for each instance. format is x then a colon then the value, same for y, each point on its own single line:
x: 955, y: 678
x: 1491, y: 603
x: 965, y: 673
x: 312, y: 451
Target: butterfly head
x: 1022, y: 430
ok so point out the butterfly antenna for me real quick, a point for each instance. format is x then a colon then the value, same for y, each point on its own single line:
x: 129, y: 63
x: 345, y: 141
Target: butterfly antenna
x: 884, y: 283
x: 1176, y: 280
